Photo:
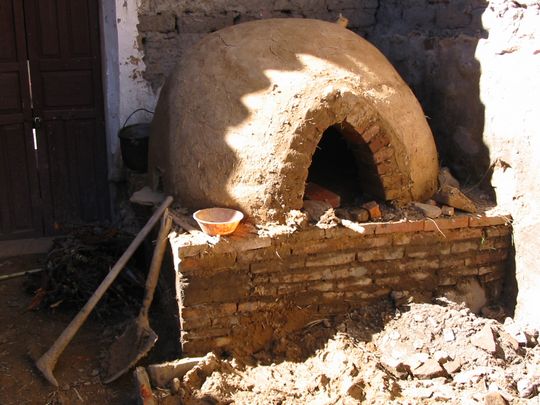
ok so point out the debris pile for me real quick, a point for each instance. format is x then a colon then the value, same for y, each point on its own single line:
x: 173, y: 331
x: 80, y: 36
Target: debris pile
x: 78, y: 263
x: 425, y: 353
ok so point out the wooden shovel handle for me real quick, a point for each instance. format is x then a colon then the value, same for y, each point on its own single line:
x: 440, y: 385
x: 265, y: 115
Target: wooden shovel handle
x: 155, y: 266
x: 47, y: 362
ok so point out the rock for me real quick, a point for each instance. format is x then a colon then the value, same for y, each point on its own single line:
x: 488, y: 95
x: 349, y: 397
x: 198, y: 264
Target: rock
x: 493, y: 312
x: 343, y: 213
x: 162, y: 374
x: 451, y: 196
x: 441, y: 356
x: 175, y: 385
x: 373, y: 209
x: 360, y: 214
x: 430, y: 211
x: 452, y: 366
x: 486, y: 340
x: 467, y: 376
x: 448, y: 211
x: 494, y: 398
x: 430, y: 369
x: 146, y: 196
x: 396, y: 367
x: 419, y: 392
x: 448, y: 335
x: 446, y: 178
x: 316, y: 209
x: 416, y: 360
x: 525, y: 388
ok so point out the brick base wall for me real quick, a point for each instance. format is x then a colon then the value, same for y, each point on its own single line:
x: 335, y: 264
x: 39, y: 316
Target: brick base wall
x: 246, y: 291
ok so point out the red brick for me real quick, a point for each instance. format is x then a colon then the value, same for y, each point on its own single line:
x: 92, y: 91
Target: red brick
x: 420, y: 252
x: 370, y: 133
x: 417, y: 238
x: 383, y: 155
x: 395, y: 227
x: 373, y: 209
x: 495, y: 243
x: 447, y: 223
x: 487, y: 257
x: 449, y: 262
x: 331, y: 259
x: 316, y: 192
x: 496, y: 231
x: 392, y: 253
x: 386, y: 168
x: 466, y: 246
x: 464, y: 271
x: 488, y: 221
x: 463, y: 234
x: 379, y: 141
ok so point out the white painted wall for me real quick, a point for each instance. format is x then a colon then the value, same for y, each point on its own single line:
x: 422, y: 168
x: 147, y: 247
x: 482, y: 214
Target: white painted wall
x: 124, y: 87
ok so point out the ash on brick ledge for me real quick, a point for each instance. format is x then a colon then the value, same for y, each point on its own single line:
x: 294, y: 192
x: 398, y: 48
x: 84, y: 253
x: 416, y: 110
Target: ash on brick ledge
x: 245, y: 291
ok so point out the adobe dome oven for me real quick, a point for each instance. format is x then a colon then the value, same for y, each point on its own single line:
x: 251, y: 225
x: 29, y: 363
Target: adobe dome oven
x: 250, y: 115
x: 240, y: 118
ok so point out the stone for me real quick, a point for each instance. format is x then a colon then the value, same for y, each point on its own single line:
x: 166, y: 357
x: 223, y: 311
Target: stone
x: 453, y: 197
x: 430, y: 369
x: 485, y: 340
x: 373, y: 209
x: 396, y: 367
x: 430, y: 211
x: 146, y: 196
x: 175, y: 385
x: 360, y: 214
x: 448, y: 211
x: 448, y: 335
x: 162, y: 374
x: 316, y: 192
x: 494, y: 398
x: 525, y: 388
x: 416, y: 360
x: 441, y: 356
x: 316, y: 209
x: 446, y: 178
x: 452, y: 366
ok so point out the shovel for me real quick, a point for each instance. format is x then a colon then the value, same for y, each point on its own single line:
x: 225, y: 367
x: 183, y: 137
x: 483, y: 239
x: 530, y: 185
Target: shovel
x: 47, y: 361
x: 138, y: 338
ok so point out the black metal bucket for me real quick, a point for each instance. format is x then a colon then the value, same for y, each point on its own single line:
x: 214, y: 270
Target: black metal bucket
x: 134, y: 144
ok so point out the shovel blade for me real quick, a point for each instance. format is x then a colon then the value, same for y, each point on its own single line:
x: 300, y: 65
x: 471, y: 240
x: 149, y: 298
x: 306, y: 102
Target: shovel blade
x: 128, y: 349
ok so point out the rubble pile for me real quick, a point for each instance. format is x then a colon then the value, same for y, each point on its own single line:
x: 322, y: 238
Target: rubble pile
x: 424, y: 353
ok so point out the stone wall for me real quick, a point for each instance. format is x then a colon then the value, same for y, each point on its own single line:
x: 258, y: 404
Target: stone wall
x: 247, y: 291
x: 169, y: 28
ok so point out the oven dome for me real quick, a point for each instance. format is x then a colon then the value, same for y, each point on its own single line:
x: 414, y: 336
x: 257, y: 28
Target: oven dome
x: 240, y: 117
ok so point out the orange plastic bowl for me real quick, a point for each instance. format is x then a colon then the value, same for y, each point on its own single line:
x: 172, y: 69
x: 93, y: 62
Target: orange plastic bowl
x: 218, y: 221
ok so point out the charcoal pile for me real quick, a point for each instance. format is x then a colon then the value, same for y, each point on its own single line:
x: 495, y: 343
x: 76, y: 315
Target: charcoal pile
x: 78, y: 263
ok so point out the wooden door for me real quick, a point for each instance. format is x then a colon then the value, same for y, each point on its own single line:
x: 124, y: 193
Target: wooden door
x: 20, y: 214
x: 62, y: 48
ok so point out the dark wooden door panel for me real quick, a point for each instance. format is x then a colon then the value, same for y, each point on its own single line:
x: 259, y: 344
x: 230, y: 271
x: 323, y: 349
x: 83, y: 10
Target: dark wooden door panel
x: 19, y: 189
x: 19, y: 214
x: 72, y: 161
x: 63, y: 46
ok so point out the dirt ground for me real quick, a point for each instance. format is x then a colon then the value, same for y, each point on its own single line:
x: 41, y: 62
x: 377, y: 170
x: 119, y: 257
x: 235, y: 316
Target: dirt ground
x: 426, y: 353
x: 417, y: 354
x: 25, y: 335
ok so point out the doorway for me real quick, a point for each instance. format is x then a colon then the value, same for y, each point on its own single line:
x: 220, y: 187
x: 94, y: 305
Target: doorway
x: 53, y: 169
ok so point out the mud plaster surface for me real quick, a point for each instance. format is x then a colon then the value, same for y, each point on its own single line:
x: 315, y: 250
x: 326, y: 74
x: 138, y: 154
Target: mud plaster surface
x: 240, y: 117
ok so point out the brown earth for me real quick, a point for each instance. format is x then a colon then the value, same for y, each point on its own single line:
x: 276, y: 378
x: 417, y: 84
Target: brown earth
x: 25, y: 335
